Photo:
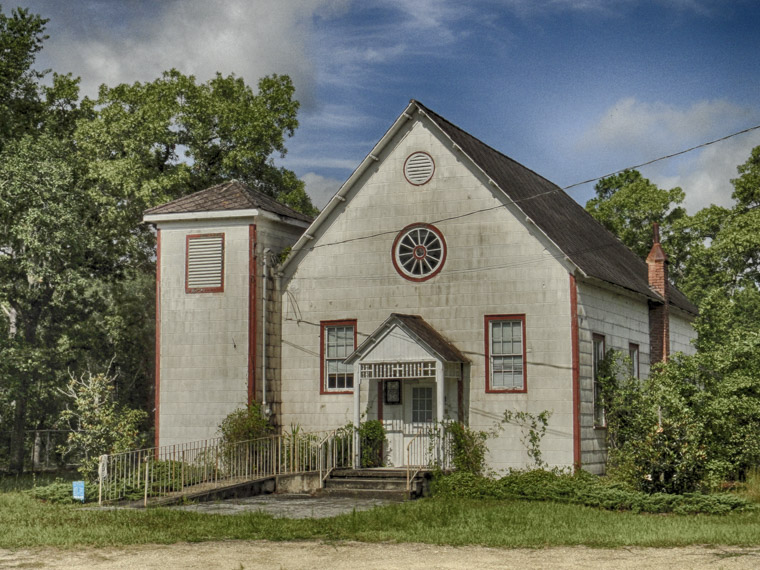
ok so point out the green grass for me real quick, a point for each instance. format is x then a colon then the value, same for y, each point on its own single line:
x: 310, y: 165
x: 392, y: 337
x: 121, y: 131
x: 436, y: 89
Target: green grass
x: 499, y: 523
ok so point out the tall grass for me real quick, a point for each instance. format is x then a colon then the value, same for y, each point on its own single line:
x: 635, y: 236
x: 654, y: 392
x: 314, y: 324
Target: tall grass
x: 499, y: 523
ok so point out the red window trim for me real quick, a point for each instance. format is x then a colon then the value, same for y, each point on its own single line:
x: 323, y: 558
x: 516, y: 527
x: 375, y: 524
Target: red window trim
x: 444, y: 253
x: 157, y: 394
x: 596, y: 336
x: 487, y: 320
x: 187, y: 265
x: 322, y: 326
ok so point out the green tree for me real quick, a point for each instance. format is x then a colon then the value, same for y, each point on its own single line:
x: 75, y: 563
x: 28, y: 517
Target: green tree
x: 46, y: 264
x: 148, y: 143
x: 99, y: 424
x: 76, y: 263
x: 628, y: 204
x: 21, y: 37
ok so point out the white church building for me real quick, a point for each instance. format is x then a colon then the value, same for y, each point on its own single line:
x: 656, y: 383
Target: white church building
x: 443, y: 280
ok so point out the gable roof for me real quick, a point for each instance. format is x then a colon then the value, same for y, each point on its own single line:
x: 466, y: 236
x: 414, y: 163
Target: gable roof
x: 588, y: 244
x: 417, y: 328
x: 593, y: 249
x: 232, y: 195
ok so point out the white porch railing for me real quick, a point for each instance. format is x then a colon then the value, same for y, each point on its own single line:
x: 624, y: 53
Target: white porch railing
x: 205, y: 465
x: 429, y: 448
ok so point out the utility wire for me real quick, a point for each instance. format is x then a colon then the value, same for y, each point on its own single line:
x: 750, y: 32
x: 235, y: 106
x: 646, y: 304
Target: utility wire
x: 535, y: 196
x: 663, y: 157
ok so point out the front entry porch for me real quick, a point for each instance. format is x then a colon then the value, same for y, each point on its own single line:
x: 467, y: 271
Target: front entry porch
x: 412, y: 380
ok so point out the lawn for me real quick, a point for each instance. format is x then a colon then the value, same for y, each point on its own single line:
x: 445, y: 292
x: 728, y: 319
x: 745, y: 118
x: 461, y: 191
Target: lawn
x: 27, y: 522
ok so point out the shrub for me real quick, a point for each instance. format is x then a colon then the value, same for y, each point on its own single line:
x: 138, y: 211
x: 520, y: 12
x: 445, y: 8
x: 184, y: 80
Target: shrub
x: 102, y: 426
x: 372, y: 437
x: 60, y: 491
x: 468, y: 448
x: 584, y: 489
x: 245, y: 424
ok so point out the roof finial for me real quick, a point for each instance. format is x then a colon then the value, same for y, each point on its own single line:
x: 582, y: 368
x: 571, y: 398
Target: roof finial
x: 656, y: 232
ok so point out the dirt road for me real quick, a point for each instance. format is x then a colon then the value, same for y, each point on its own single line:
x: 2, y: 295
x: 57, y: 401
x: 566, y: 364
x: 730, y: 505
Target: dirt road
x: 353, y: 555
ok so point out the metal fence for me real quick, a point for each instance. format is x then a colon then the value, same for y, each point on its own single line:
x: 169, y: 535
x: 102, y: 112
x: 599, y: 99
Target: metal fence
x: 205, y: 465
x: 429, y: 448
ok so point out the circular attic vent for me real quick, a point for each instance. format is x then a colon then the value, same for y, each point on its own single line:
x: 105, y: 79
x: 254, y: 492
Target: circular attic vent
x: 419, y: 252
x: 419, y: 168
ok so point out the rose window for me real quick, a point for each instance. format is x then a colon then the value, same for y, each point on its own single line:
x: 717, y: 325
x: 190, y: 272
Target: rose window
x: 419, y: 252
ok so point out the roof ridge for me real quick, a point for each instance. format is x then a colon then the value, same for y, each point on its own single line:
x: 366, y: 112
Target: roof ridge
x: 485, y: 144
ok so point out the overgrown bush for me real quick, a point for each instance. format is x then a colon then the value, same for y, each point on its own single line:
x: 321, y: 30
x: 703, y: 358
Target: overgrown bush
x: 61, y: 491
x: 468, y: 448
x: 584, y: 489
x: 245, y: 424
x: 372, y: 438
x: 101, y: 425
x: 691, y: 425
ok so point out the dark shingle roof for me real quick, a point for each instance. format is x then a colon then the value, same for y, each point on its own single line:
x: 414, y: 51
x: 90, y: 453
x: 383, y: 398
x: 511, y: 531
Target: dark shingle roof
x: 416, y: 326
x: 232, y: 195
x: 594, y: 249
x: 420, y: 327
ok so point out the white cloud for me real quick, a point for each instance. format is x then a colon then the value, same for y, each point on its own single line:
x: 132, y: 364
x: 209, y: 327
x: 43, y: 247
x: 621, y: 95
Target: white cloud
x: 640, y: 131
x: 250, y: 39
x: 651, y: 129
x: 706, y: 178
x: 320, y: 188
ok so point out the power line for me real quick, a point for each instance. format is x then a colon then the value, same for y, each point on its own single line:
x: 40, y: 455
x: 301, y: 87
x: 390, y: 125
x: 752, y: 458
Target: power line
x: 664, y: 157
x: 535, y: 196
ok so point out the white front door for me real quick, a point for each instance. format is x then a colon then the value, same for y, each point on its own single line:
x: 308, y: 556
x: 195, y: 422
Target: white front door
x: 415, y: 415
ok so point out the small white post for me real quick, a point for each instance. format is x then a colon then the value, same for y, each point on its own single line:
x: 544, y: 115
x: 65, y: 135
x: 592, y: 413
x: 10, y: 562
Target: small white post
x: 357, y: 414
x: 440, y: 389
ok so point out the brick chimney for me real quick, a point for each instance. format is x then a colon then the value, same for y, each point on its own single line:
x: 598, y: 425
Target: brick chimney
x: 659, y: 317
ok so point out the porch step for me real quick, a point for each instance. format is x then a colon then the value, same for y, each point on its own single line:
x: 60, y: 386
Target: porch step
x: 385, y: 483
x: 382, y: 494
x: 371, y: 473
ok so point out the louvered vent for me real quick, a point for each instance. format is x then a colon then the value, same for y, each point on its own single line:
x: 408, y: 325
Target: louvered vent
x: 419, y: 168
x: 205, y: 263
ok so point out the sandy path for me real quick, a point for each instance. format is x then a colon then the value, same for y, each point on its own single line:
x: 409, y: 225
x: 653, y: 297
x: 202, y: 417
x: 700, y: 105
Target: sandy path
x: 351, y: 555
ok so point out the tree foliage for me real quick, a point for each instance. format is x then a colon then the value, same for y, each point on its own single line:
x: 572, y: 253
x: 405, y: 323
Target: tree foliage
x: 76, y: 262
x: 21, y: 38
x: 628, y: 204
x: 100, y: 425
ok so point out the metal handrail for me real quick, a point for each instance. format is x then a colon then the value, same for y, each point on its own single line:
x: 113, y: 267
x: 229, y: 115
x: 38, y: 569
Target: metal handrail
x: 208, y: 464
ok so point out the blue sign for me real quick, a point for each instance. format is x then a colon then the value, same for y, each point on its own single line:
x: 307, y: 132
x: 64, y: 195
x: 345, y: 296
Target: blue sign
x: 78, y: 487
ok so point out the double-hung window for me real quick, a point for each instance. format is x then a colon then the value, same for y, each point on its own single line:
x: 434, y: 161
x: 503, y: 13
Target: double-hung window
x: 505, y: 353
x: 597, y: 357
x: 338, y: 341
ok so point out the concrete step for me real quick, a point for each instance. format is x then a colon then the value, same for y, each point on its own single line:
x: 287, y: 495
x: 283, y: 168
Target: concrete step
x: 377, y: 473
x: 384, y: 494
x: 366, y: 483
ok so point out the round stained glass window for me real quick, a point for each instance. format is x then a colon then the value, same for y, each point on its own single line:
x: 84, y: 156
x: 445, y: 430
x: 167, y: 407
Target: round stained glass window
x: 419, y: 252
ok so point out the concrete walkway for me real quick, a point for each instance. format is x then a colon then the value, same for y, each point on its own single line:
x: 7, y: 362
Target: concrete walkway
x: 287, y: 506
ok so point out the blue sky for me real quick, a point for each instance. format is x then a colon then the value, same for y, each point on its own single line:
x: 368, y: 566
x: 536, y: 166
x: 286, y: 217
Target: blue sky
x: 573, y: 89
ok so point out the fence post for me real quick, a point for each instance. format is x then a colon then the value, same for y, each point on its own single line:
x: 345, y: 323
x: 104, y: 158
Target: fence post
x: 147, y: 463
x: 102, y: 472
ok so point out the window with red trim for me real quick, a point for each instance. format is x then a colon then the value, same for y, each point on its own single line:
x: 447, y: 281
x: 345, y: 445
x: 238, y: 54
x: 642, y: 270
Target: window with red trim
x: 337, y: 340
x: 204, y: 263
x: 505, y: 353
